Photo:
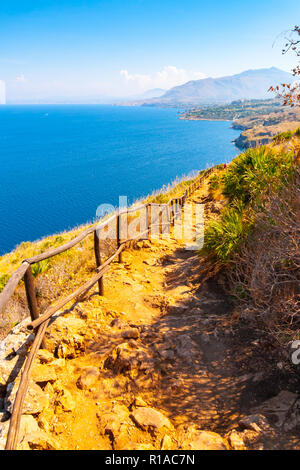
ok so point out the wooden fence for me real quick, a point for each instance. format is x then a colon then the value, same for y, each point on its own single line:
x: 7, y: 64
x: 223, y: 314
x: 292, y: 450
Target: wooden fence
x: 39, y: 322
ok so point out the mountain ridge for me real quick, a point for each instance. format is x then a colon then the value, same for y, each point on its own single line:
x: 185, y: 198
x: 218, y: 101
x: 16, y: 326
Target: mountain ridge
x: 249, y: 84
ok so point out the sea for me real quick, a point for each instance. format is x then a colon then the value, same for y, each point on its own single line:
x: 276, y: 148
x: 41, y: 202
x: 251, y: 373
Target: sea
x: 60, y: 162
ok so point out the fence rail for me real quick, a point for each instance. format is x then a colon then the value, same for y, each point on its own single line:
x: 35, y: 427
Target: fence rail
x: 39, y: 323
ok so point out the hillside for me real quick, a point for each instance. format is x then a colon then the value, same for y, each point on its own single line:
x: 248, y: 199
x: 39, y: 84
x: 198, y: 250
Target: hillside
x: 259, y: 120
x: 251, y: 84
x: 261, y: 129
x: 233, y: 111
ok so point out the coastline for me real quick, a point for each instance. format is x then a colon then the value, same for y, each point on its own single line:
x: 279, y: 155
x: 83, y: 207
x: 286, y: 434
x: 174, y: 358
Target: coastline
x: 257, y: 125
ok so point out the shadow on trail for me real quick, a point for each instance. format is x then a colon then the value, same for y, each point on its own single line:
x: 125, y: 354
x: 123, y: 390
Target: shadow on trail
x: 207, y: 375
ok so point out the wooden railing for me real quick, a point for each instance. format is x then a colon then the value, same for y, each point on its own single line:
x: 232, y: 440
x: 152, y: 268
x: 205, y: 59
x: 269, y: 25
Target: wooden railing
x: 39, y: 323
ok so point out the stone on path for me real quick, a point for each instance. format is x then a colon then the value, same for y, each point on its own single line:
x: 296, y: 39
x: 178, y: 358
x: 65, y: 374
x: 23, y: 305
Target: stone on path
x: 147, y: 418
x: 283, y: 410
x: 28, y: 425
x: 236, y: 441
x: 45, y: 356
x: 42, y: 373
x: 257, y: 423
x: 131, y: 333
x: 194, y: 439
x: 88, y: 378
x: 166, y: 443
x: 35, y: 400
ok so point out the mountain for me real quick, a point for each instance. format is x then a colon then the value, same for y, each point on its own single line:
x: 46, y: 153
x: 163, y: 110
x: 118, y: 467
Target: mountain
x: 143, y: 98
x: 155, y: 93
x: 251, y: 84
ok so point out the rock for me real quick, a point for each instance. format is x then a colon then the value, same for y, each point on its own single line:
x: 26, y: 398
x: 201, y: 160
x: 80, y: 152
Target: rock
x: 147, y: 418
x: 177, y: 310
x: 139, y: 245
x: 42, y: 373
x: 115, y: 423
x: 147, y: 244
x: 236, y: 440
x: 28, y: 425
x: 244, y: 440
x: 9, y: 369
x: 39, y: 441
x: 177, y: 384
x: 16, y: 343
x: 88, y: 378
x: 283, y: 410
x: 138, y: 401
x: 257, y: 423
x: 3, y: 434
x: 143, y: 244
x: 118, y: 323
x: 46, y: 420
x: 63, y: 398
x: 166, y: 354
x: 145, y: 446
x: 166, y: 443
x: 58, y: 364
x: 186, y: 348
x: 204, y: 440
x: 193, y: 439
x: 35, y: 400
x: 45, y: 356
x: 150, y: 262
x: 65, y: 337
x: 131, y: 333
x: 125, y: 360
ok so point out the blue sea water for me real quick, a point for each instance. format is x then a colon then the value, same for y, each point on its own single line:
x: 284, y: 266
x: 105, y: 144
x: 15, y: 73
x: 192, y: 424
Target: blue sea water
x: 59, y: 163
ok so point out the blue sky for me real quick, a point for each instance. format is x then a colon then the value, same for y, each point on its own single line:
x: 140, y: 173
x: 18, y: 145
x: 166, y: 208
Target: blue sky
x: 75, y: 48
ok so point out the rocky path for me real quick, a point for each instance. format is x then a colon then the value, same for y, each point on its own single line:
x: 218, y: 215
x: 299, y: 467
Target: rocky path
x: 157, y: 363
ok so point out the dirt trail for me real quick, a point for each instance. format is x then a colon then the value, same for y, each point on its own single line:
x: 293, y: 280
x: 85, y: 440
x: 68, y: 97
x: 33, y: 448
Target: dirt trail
x: 158, y: 339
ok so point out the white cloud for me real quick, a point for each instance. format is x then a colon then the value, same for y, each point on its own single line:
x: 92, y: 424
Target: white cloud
x: 168, y: 77
x: 21, y: 78
x: 140, y: 79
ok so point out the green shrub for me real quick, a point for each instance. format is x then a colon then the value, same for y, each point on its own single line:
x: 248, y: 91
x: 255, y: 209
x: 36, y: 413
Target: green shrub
x: 245, y: 183
x: 40, y: 267
x: 214, y: 182
x: 59, y: 240
x: 223, y: 237
x: 282, y: 137
x: 253, y: 171
x: 297, y: 132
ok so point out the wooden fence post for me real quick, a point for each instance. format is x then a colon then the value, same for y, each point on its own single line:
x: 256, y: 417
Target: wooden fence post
x: 118, y: 236
x: 148, y: 221
x: 31, y: 297
x: 172, y: 214
x: 98, y: 260
x: 160, y: 221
